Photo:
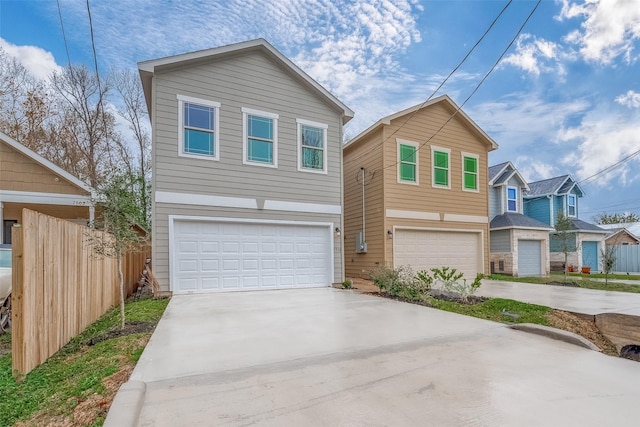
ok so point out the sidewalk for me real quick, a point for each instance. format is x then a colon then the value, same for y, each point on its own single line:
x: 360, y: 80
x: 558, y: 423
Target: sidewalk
x: 577, y: 300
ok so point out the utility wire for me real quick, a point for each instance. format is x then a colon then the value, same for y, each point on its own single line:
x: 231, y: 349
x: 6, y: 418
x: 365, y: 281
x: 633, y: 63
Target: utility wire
x: 610, y: 167
x: 504, y: 52
x: 437, y: 89
x: 64, y: 37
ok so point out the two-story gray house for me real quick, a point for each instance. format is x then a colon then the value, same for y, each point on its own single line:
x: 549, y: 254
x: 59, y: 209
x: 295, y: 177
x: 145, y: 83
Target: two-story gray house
x: 247, y: 171
x: 519, y: 245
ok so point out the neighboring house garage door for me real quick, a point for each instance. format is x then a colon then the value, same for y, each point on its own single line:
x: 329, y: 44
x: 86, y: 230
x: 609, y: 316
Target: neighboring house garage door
x: 227, y: 256
x: 426, y: 249
x: 529, y: 258
x: 590, y: 255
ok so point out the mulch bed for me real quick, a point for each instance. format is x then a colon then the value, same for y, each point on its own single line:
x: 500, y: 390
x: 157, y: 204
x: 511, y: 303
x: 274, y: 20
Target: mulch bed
x: 570, y: 284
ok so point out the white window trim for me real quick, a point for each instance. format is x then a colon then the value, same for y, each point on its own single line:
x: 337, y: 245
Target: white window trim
x: 517, y: 197
x: 324, y: 127
x: 575, y: 206
x: 416, y: 146
x: 245, y: 151
x: 473, y: 156
x: 216, y: 124
x: 433, y: 169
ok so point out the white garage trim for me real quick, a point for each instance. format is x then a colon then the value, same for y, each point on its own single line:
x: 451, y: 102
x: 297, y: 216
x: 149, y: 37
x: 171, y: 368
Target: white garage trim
x: 480, y: 234
x: 172, y: 219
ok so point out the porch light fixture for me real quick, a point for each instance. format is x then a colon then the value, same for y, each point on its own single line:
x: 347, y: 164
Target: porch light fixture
x: 390, y: 234
x: 337, y: 230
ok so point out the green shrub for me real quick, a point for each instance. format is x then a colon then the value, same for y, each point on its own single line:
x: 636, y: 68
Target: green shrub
x: 401, y: 282
x: 346, y: 284
x: 450, y: 280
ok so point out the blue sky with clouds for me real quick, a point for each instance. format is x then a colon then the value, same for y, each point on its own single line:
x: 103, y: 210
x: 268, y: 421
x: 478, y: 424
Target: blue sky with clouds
x: 564, y: 99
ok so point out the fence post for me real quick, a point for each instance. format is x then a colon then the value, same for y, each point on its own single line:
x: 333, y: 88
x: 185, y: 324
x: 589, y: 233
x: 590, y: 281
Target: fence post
x: 18, y: 341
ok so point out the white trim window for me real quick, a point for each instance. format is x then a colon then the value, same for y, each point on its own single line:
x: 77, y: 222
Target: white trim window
x: 571, y: 205
x: 470, y: 172
x: 198, y: 124
x: 408, y: 161
x: 512, y: 199
x: 312, y: 146
x: 441, y: 167
x: 259, y: 138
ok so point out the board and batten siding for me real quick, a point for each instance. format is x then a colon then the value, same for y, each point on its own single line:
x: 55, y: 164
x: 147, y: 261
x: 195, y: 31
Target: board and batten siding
x: 367, y: 154
x: 248, y: 80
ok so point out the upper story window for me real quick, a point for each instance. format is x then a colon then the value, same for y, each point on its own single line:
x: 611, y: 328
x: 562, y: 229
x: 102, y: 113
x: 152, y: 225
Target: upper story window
x: 512, y: 199
x: 469, y: 172
x: 198, y: 128
x: 441, y: 173
x: 407, y: 161
x: 312, y: 146
x: 260, y: 138
x: 571, y: 205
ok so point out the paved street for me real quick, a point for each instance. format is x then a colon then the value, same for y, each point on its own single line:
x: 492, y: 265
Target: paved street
x: 332, y: 357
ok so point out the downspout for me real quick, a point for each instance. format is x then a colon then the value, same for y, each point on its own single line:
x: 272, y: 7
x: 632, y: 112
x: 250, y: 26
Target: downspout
x: 364, y: 236
x: 552, y: 219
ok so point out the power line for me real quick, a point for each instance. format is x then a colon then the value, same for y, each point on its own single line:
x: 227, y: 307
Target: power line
x: 438, y: 88
x: 610, y: 168
x: 64, y: 37
x: 504, y: 52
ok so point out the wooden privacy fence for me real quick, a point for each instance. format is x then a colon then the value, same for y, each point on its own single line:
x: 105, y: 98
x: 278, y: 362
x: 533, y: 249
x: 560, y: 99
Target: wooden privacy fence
x: 59, y: 286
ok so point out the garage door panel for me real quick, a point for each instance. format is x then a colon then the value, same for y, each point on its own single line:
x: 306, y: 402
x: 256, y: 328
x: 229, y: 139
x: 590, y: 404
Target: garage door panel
x: 426, y: 249
x: 213, y: 256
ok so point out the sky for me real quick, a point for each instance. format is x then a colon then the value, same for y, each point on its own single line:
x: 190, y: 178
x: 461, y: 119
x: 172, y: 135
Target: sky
x: 560, y: 95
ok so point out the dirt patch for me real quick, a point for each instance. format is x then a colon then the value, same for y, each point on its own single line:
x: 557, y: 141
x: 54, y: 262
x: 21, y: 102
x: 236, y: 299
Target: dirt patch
x: 583, y: 327
x: 569, y: 284
x: 129, y: 328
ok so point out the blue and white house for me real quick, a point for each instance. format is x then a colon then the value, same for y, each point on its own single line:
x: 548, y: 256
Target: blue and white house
x: 519, y: 245
x: 544, y: 200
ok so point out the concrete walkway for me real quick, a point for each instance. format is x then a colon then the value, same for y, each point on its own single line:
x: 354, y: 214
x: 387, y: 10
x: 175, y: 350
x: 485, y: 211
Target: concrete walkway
x: 327, y: 357
x: 578, y: 300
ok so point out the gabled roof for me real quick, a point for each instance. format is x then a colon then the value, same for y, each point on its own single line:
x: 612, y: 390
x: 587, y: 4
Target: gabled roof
x: 503, y: 172
x: 444, y: 99
x: 148, y: 68
x: 553, y: 186
x: 45, y: 163
x: 516, y: 220
x: 613, y: 232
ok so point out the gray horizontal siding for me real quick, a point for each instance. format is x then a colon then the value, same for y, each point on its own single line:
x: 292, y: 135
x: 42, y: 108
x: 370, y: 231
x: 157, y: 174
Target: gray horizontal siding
x: 161, y: 230
x: 248, y: 81
x: 500, y: 241
x: 495, y: 202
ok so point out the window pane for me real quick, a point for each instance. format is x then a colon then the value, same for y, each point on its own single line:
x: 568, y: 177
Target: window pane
x: 260, y: 151
x: 511, y: 205
x: 312, y: 137
x: 312, y: 159
x: 470, y: 181
x: 441, y: 176
x: 198, y: 116
x: 198, y: 142
x: 260, y: 127
x: 407, y: 153
x: 470, y: 164
x: 441, y: 159
x: 407, y: 172
x: 511, y: 193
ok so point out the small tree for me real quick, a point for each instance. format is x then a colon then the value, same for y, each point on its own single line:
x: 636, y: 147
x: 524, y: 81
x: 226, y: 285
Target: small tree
x: 608, y: 261
x: 119, y: 212
x: 563, y: 226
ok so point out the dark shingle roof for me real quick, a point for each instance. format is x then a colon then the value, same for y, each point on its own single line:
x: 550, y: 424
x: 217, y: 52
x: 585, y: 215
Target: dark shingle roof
x: 496, y: 169
x: 546, y: 186
x: 580, y: 225
x: 516, y: 220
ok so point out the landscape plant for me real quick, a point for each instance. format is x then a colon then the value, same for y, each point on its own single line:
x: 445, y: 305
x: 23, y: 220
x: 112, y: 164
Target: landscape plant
x: 400, y: 282
x: 450, y: 280
x: 608, y: 261
x: 563, y: 226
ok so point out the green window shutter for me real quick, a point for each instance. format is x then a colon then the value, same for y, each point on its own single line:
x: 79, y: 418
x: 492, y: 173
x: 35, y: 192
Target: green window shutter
x: 470, y: 164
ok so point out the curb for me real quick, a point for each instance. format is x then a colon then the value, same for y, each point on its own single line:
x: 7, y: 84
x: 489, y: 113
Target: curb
x: 126, y: 407
x: 556, y: 334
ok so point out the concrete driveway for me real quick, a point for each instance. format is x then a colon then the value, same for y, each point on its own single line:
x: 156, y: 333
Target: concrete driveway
x: 327, y: 357
x: 577, y: 300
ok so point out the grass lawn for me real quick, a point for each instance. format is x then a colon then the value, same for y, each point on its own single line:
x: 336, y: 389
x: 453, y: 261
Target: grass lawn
x: 498, y: 310
x: 583, y: 280
x: 77, y: 384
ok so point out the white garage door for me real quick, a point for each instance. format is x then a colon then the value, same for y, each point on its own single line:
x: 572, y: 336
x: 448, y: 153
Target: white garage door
x: 227, y: 256
x: 529, y: 258
x: 425, y: 249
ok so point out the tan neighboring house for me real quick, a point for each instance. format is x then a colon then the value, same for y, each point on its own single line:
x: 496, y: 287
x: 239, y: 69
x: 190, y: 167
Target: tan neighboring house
x: 247, y: 171
x: 620, y: 236
x: 27, y: 180
x: 416, y: 192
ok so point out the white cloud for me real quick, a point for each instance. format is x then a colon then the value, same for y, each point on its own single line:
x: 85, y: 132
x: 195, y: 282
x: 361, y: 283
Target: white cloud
x: 534, y: 170
x: 537, y: 55
x: 37, y: 61
x: 602, y: 139
x: 610, y: 29
x: 630, y: 99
